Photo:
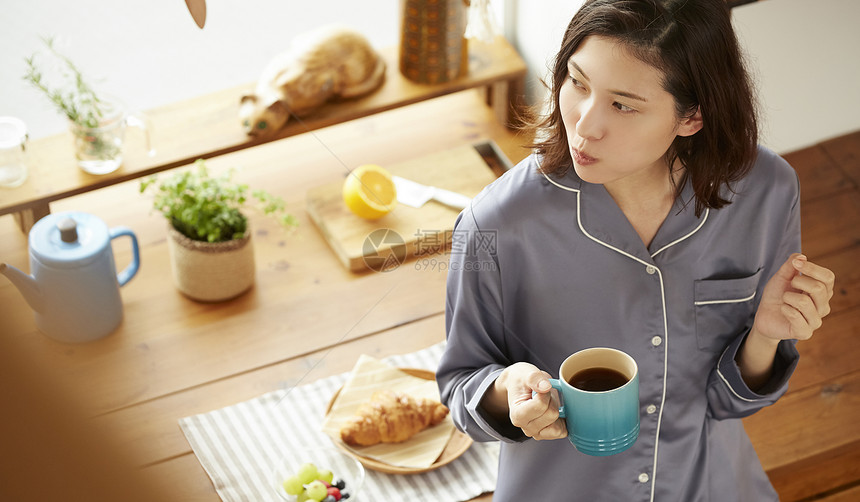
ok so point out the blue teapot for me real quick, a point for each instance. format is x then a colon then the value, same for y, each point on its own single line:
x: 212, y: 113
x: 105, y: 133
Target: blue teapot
x: 74, y: 287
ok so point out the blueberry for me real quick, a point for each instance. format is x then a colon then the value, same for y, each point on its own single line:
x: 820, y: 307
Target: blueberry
x: 340, y: 485
x: 329, y: 498
x: 344, y: 495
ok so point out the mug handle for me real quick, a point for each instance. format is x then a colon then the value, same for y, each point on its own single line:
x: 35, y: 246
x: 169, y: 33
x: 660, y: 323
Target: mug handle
x: 556, y: 384
x: 139, y: 120
x: 129, y: 271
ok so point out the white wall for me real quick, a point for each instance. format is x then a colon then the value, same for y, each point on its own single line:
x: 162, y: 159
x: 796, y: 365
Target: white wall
x: 804, y: 54
x: 806, y: 58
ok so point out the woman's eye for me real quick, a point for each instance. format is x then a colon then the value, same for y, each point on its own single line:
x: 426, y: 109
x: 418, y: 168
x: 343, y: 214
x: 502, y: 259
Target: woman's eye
x: 623, y: 108
x: 576, y: 83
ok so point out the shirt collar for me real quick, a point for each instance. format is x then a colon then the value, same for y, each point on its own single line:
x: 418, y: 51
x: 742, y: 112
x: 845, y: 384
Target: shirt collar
x: 600, y: 217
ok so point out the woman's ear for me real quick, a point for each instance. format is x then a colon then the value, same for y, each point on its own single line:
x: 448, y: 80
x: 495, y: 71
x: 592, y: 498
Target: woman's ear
x: 691, y: 125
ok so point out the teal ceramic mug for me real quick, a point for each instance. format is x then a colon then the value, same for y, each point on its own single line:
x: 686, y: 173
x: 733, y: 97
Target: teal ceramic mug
x: 599, y: 392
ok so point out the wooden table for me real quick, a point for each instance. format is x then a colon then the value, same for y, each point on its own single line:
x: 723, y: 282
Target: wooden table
x: 307, y: 317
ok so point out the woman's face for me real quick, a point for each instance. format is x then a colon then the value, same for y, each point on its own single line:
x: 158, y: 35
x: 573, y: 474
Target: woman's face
x: 618, y: 118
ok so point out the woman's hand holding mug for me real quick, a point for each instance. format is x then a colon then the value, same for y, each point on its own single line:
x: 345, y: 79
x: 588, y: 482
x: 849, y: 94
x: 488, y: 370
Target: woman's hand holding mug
x: 598, y: 392
x: 532, y: 403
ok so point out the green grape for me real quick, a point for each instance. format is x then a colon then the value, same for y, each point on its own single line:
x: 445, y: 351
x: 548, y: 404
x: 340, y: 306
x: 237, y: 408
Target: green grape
x: 316, y: 490
x: 325, y: 475
x: 293, y: 485
x: 302, y: 497
x: 307, y: 473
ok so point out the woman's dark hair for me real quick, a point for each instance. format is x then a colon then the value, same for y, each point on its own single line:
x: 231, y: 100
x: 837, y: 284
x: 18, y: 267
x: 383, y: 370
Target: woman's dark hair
x: 693, y: 44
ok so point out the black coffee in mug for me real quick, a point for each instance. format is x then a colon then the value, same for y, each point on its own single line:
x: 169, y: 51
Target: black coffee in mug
x: 600, y: 422
x: 597, y: 379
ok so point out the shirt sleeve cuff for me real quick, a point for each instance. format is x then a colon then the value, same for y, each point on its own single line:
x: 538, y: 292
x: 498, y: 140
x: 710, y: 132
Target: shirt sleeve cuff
x: 500, y: 430
x: 784, y: 365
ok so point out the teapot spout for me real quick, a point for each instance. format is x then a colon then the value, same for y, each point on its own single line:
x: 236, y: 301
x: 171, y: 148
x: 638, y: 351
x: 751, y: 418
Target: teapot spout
x: 25, y: 283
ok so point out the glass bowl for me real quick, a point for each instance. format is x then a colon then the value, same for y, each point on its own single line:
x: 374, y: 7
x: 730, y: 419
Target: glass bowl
x: 325, y: 457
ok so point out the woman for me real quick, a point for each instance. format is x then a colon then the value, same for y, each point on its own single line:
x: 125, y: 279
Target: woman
x: 647, y: 220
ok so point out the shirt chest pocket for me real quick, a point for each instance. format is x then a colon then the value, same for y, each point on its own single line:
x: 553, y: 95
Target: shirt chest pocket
x: 724, y: 307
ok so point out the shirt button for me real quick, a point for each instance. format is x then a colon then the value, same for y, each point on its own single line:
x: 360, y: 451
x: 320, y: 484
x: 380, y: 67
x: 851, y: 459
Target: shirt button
x: 650, y: 270
x: 656, y: 341
x: 643, y: 478
x: 650, y: 409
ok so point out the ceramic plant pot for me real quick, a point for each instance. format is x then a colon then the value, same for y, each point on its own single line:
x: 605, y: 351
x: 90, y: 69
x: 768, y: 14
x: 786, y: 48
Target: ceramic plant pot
x: 211, y: 272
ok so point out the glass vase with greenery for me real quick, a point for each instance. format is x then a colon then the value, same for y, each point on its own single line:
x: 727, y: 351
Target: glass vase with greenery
x: 75, y: 98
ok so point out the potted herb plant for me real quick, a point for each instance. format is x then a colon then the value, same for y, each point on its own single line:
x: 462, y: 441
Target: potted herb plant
x: 209, y: 240
x: 97, y: 122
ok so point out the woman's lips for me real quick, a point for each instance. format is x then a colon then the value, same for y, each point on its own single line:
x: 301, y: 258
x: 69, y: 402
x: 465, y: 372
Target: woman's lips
x: 581, y: 158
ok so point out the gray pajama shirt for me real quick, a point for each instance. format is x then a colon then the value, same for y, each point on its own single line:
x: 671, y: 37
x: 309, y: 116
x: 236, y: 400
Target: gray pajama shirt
x: 544, y: 266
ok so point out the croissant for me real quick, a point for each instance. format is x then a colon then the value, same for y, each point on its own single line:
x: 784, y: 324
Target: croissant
x: 391, y: 417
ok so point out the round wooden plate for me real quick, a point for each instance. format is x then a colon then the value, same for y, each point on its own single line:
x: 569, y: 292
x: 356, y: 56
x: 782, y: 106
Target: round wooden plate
x: 457, y: 445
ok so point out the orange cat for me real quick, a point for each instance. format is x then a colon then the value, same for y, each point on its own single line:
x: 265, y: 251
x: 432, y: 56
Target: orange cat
x: 329, y: 63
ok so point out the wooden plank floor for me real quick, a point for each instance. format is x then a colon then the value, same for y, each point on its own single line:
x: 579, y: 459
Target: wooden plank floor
x: 809, y: 441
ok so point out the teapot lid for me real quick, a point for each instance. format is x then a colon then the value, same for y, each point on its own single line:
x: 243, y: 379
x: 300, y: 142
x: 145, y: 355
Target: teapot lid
x: 68, y: 240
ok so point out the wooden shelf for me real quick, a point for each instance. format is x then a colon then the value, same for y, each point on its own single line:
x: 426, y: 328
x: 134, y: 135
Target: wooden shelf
x: 208, y: 126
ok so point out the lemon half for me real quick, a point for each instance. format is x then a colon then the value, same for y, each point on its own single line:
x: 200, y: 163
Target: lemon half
x: 369, y: 192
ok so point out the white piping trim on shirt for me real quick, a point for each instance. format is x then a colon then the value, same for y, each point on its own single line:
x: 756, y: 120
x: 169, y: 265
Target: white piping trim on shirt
x: 734, y: 300
x: 667, y: 246
x: 662, y: 298
x: 725, y: 381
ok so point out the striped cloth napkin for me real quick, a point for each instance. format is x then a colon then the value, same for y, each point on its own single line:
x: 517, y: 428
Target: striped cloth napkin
x: 240, y: 446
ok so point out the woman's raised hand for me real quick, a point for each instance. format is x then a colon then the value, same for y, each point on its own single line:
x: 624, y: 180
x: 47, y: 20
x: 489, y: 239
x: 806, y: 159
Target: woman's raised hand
x: 795, y: 300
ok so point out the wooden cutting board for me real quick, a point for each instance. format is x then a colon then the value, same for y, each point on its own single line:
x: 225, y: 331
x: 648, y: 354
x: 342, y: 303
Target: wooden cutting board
x: 405, y: 232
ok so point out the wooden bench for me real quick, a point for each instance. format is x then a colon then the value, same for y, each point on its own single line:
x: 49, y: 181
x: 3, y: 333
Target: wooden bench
x: 208, y: 126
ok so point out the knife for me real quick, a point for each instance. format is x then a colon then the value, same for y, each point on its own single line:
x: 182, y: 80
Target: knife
x: 414, y: 194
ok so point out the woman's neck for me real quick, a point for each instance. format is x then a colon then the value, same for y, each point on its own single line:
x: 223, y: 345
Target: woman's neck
x: 646, y: 200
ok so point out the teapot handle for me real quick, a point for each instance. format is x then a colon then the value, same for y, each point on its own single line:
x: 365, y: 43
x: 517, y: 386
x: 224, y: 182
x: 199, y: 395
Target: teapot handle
x: 129, y: 271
